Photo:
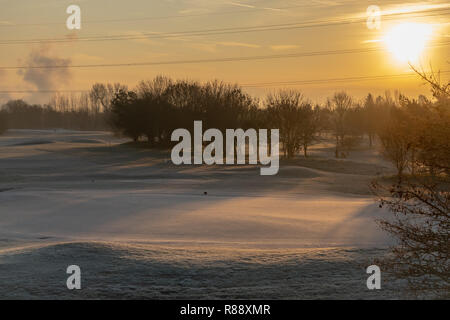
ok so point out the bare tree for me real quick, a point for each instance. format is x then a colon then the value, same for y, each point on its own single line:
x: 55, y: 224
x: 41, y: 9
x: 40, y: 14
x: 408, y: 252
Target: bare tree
x: 420, y: 222
x: 284, y: 111
x: 396, y: 145
x: 309, y: 125
x: 371, y: 118
x: 341, y: 103
x: 102, y: 94
x: 420, y: 204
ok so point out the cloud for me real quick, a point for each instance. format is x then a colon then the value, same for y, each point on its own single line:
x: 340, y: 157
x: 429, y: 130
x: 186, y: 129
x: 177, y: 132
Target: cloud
x: 238, y: 44
x: 403, y: 8
x: 86, y: 58
x: 213, y: 47
x: 244, y: 5
x: 275, y: 9
x: 208, y: 47
x: 237, y: 4
x: 45, y: 78
x: 194, y: 11
x: 283, y: 47
x: 327, y: 3
x: 142, y: 37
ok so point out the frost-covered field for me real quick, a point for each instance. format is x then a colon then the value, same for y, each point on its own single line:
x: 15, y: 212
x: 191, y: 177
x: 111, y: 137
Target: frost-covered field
x: 140, y: 227
x: 144, y: 271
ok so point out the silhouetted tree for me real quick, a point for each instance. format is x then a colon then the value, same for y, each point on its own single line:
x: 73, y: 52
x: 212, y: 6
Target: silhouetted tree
x: 370, y: 118
x: 3, y: 122
x: 396, y: 143
x: 284, y: 109
x: 340, y: 104
x: 309, y: 125
x: 127, y: 114
x: 420, y: 203
x: 158, y: 112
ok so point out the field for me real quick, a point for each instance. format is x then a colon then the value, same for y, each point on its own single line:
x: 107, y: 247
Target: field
x: 140, y: 227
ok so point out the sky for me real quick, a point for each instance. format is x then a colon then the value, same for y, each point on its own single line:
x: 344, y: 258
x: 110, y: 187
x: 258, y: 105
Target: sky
x: 300, y: 41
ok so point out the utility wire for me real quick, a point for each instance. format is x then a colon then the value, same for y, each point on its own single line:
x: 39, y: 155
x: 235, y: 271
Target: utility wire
x: 208, y: 32
x: 227, y: 59
x: 263, y: 84
x: 348, y: 79
x: 171, y: 16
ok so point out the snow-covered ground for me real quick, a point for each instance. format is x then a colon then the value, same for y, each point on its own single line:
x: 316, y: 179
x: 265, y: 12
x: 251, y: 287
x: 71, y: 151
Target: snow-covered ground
x: 140, y: 227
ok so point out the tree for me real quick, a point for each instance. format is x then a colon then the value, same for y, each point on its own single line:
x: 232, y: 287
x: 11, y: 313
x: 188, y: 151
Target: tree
x: 420, y: 204
x: 309, y: 125
x: 157, y: 110
x: 340, y: 104
x: 284, y: 111
x: 101, y: 97
x: 370, y: 118
x: 3, y: 122
x: 396, y: 143
x: 127, y: 114
x: 420, y: 222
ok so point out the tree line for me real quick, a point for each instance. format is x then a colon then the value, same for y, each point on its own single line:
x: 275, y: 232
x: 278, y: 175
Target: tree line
x: 76, y: 111
x: 156, y: 107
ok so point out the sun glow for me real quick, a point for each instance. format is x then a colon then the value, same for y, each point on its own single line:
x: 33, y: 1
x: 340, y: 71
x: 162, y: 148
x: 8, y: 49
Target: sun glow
x: 407, y: 41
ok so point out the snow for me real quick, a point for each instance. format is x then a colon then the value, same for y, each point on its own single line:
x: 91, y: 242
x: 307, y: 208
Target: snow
x: 141, y: 227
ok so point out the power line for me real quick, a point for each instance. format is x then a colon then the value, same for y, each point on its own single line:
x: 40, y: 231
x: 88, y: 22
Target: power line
x: 42, y: 91
x: 227, y: 59
x: 348, y: 79
x: 264, y: 84
x: 171, y: 16
x: 208, y: 32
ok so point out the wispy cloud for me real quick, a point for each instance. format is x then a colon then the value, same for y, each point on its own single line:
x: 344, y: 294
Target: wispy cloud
x: 405, y: 8
x: 194, y: 11
x: 213, y: 47
x: 244, y: 5
x: 327, y: 2
x: 238, y: 4
x: 208, y: 47
x: 238, y: 44
x: 283, y: 47
x: 414, y: 7
x: 275, y: 9
x: 83, y: 57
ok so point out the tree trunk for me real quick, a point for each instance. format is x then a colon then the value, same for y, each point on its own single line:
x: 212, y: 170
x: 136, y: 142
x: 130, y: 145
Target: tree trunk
x: 336, y: 152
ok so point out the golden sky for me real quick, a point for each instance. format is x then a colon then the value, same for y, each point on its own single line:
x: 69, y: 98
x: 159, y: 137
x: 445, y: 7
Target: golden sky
x: 324, y: 28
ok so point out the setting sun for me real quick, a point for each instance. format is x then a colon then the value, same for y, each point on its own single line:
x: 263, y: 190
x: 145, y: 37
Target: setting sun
x: 407, y: 41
